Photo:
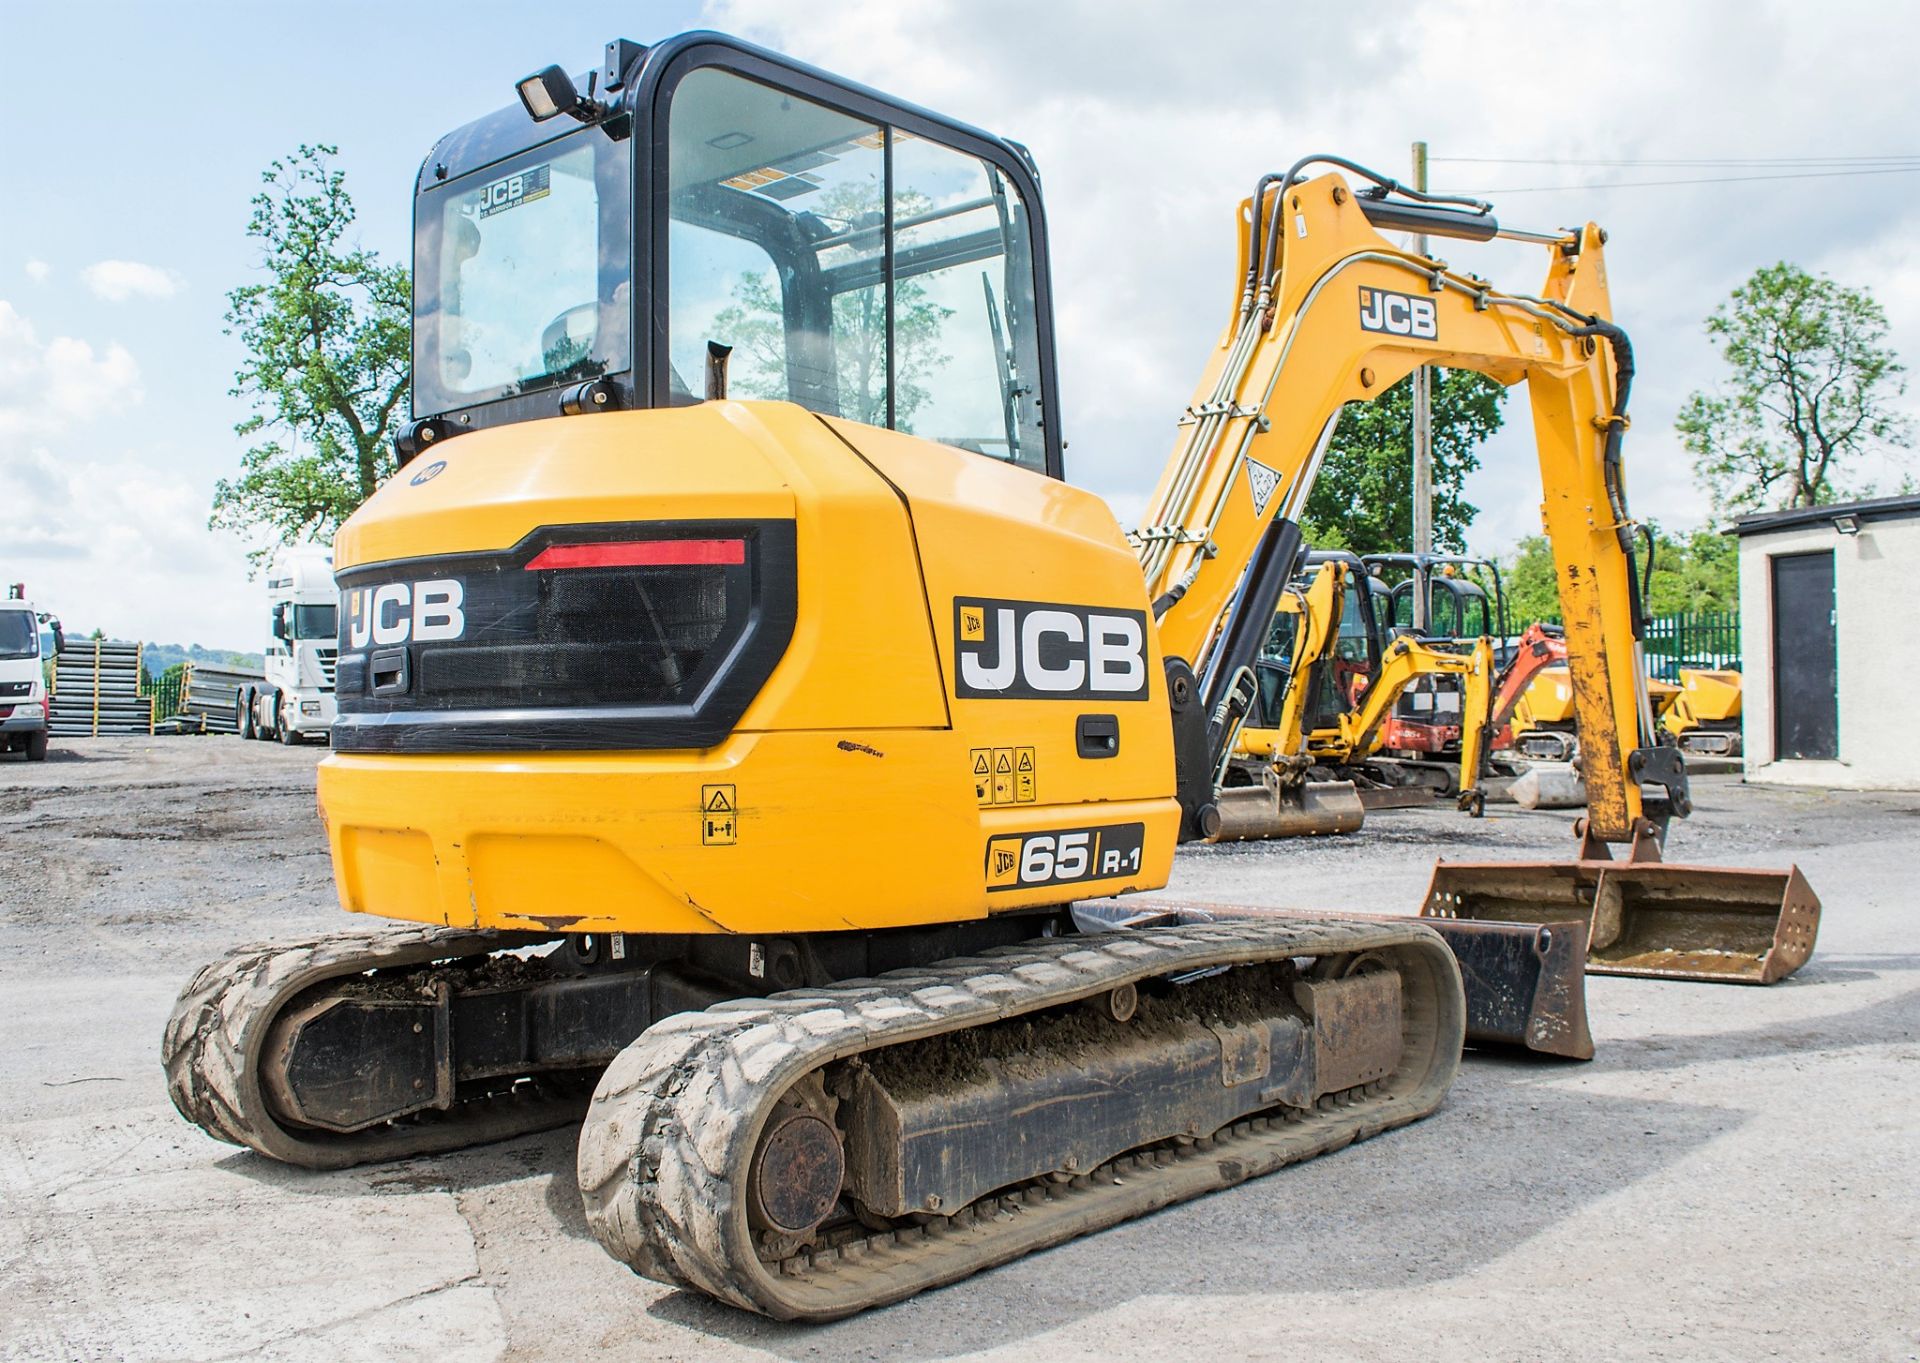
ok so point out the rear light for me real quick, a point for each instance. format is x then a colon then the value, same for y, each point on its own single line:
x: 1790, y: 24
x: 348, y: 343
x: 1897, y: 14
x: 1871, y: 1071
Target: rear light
x: 641, y: 554
x: 635, y: 635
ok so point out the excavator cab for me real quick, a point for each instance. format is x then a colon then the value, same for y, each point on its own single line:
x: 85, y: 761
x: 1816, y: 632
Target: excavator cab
x: 700, y: 222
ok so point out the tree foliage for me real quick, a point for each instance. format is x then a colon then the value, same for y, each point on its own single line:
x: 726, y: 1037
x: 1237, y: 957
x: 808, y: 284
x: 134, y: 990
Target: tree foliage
x: 1363, y: 499
x: 328, y: 360
x: 1698, y: 573
x: 755, y: 324
x: 1811, y: 390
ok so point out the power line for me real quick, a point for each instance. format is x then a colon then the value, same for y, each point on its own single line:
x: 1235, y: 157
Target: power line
x: 1702, y: 180
x: 1757, y: 161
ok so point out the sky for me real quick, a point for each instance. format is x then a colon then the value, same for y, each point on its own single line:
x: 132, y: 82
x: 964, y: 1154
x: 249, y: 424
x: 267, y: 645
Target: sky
x: 133, y: 136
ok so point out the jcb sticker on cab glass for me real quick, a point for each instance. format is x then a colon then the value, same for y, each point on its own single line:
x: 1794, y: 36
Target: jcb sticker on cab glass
x: 1399, y: 314
x: 1037, y: 650
x: 1020, y: 861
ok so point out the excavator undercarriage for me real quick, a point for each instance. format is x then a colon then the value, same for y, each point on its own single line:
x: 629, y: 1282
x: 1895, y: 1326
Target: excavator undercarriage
x: 741, y: 766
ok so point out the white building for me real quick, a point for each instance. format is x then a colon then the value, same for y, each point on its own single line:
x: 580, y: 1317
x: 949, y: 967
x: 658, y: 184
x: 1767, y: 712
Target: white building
x: 1829, y: 660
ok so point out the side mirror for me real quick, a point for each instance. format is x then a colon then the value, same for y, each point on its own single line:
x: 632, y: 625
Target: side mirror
x: 59, y: 638
x: 279, y: 619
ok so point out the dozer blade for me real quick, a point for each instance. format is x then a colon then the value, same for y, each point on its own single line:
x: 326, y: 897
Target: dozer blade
x: 1308, y: 809
x: 1722, y: 924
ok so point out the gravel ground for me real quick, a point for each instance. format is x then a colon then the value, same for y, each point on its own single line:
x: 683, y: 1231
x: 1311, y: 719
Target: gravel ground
x: 1736, y: 1176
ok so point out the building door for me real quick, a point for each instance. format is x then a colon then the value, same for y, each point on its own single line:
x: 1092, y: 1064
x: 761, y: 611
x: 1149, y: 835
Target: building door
x: 1806, y: 674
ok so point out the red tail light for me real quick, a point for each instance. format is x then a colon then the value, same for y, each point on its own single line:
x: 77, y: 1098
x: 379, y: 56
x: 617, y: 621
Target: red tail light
x: 640, y: 554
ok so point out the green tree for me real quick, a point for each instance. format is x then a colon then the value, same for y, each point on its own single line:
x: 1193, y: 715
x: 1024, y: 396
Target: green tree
x: 755, y: 323
x: 1699, y: 573
x: 328, y: 360
x: 1812, y: 389
x: 1363, y: 499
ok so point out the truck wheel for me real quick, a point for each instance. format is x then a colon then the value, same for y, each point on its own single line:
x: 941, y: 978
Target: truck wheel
x: 283, y: 729
x: 37, y: 746
x: 244, y: 712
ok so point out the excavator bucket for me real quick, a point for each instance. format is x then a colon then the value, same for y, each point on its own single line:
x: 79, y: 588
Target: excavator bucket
x: 1305, y: 810
x: 1728, y: 925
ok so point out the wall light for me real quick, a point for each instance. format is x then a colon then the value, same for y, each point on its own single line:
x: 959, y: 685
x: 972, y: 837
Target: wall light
x: 1847, y: 525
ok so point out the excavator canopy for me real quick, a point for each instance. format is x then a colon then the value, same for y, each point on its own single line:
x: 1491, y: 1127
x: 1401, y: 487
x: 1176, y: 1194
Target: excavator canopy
x: 708, y: 223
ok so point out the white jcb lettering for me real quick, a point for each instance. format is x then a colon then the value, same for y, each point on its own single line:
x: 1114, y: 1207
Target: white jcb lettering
x: 1118, y: 662
x: 359, y: 619
x: 1037, y: 626
x: 973, y: 668
x: 436, y: 610
x: 1399, y: 314
x: 390, y: 629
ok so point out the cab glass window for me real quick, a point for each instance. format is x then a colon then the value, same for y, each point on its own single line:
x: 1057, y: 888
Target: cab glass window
x: 913, y: 310
x: 523, y: 274
x: 19, y: 638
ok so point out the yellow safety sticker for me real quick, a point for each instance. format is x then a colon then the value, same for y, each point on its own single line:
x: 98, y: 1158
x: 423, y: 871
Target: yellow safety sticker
x: 1025, y: 776
x: 1003, y: 776
x: 719, y: 816
x: 982, y: 761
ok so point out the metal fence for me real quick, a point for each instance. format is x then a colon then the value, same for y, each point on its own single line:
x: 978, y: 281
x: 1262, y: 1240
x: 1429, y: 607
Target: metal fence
x: 1704, y: 639
x: 165, y: 691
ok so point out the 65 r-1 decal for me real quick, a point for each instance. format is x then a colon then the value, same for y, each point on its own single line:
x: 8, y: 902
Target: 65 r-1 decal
x: 1021, y: 861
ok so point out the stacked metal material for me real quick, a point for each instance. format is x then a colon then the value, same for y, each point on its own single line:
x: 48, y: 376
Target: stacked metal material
x: 212, y: 695
x: 96, y: 690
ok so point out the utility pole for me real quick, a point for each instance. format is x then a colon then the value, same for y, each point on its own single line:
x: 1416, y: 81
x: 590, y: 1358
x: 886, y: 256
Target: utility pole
x: 1422, y: 433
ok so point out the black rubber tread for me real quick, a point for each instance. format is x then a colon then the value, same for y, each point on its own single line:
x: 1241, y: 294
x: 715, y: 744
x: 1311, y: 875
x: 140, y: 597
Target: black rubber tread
x: 215, y: 1037
x: 676, y: 1117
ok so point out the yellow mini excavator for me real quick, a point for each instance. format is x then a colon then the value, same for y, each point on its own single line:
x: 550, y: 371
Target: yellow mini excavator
x: 1319, y: 715
x: 736, y: 702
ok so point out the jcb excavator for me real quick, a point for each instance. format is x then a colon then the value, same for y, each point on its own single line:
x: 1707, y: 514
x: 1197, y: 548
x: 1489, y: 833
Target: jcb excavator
x: 739, y: 761
x: 1311, y: 732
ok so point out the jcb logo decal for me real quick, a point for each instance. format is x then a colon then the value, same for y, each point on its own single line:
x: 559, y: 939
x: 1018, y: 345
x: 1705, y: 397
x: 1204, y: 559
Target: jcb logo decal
x: 426, y: 612
x: 1034, y: 650
x: 1399, y: 314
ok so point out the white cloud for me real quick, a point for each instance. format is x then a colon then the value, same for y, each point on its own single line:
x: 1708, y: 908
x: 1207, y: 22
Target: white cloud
x: 38, y: 270
x: 118, y: 280
x: 46, y: 388
x: 1150, y: 121
x: 104, y: 535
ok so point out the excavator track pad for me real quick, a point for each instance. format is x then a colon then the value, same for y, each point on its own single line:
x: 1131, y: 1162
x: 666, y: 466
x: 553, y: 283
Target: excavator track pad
x: 253, y: 1023
x: 822, y: 1151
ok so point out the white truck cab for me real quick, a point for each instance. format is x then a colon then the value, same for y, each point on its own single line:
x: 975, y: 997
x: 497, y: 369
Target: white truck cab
x: 302, y: 609
x: 27, y: 638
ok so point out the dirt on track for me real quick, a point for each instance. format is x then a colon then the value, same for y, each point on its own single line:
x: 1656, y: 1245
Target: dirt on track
x: 1734, y: 1176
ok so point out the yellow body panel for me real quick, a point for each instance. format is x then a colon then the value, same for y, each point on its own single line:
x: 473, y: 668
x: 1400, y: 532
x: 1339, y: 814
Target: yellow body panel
x: 1704, y: 696
x: 1548, y: 699
x: 848, y: 799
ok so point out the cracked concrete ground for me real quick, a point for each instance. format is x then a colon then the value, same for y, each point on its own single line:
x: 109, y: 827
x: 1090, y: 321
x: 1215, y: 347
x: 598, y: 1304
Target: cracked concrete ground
x: 1736, y: 1176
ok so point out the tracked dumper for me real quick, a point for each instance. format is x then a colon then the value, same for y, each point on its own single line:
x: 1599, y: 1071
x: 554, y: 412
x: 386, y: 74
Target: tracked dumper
x: 736, y: 702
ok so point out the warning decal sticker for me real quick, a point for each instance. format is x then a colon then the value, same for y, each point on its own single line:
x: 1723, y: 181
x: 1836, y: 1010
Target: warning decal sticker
x: 1261, y: 481
x: 719, y: 816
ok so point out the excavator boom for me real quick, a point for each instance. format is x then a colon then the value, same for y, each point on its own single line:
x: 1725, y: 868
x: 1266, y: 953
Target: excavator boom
x: 1330, y: 312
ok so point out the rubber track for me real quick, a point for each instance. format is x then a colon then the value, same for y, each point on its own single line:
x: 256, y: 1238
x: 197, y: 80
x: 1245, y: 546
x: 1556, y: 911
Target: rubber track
x: 214, y: 1040
x: 668, y: 1137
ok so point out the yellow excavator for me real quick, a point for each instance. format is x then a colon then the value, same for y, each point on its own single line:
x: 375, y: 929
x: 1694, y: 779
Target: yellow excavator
x: 1312, y: 729
x: 739, y: 706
